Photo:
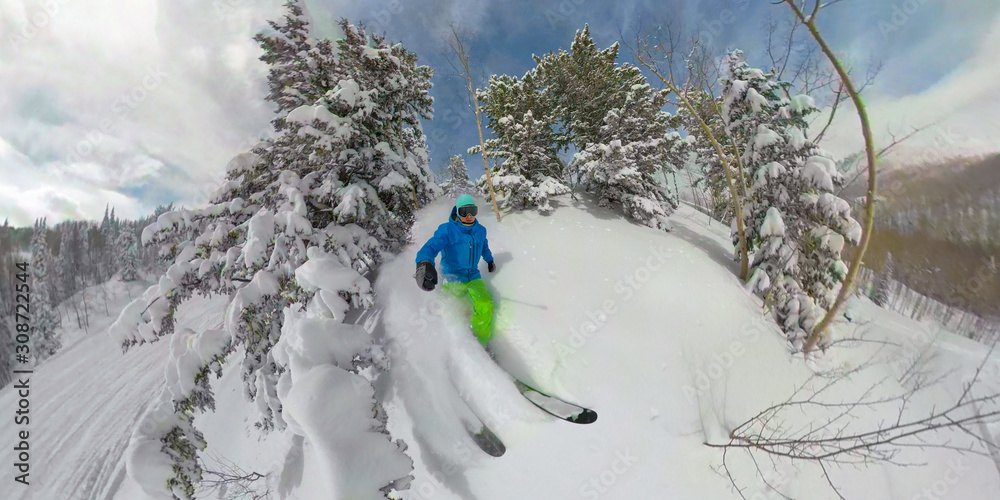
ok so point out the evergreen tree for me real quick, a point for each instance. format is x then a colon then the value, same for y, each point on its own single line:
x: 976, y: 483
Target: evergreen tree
x: 337, y: 187
x: 530, y: 171
x: 580, y: 99
x: 796, y: 226
x: 65, y: 269
x: 44, y: 338
x: 458, y: 182
x: 128, y: 259
x: 633, y: 145
x: 300, y: 72
x: 7, y: 351
x: 883, y: 282
x: 581, y: 86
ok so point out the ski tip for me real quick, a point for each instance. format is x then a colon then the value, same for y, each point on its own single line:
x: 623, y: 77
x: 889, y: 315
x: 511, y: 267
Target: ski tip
x: 489, y: 443
x: 586, y: 417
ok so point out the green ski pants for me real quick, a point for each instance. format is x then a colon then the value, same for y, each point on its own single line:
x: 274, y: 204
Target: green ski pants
x: 482, y: 305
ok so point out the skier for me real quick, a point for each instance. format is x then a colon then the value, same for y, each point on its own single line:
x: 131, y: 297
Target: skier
x: 461, y: 241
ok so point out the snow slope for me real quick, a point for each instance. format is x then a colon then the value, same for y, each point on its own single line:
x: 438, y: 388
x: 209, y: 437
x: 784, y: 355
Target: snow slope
x: 651, y: 329
x: 85, y: 401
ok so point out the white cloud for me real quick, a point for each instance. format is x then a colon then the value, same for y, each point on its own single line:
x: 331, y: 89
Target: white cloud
x: 964, y: 106
x: 101, y: 95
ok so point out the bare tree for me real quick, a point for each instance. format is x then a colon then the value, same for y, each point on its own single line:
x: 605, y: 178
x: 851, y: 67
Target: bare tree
x: 458, y: 49
x: 231, y: 482
x: 866, y: 228
x: 644, y: 54
x: 831, y: 437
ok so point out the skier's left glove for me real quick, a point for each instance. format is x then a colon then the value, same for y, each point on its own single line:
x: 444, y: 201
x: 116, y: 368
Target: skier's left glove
x: 426, y: 275
x: 490, y: 266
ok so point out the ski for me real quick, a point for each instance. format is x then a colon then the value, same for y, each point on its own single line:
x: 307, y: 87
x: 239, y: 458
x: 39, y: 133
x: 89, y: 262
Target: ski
x: 488, y: 442
x: 484, y: 438
x: 556, y: 407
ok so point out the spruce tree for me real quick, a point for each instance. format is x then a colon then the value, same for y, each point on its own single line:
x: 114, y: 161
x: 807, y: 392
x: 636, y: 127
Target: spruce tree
x: 44, y: 337
x: 530, y: 172
x: 883, y: 282
x: 796, y: 226
x: 633, y: 144
x: 458, y: 182
x: 335, y: 189
x: 128, y: 258
x: 580, y: 99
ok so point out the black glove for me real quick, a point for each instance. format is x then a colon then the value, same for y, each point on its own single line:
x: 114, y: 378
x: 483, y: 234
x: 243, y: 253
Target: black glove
x: 490, y: 266
x: 426, y: 275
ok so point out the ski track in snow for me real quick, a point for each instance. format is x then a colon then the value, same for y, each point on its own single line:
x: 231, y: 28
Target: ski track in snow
x: 85, y: 401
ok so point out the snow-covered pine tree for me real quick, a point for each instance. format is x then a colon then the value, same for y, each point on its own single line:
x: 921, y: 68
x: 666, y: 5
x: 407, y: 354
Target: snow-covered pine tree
x: 633, y: 144
x: 299, y: 74
x: 64, y: 272
x: 679, y: 154
x: 530, y: 172
x: 607, y: 112
x: 883, y: 282
x: 580, y: 87
x: 7, y: 351
x: 458, y: 182
x: 106, y: 251
x: 291, y: 231
x: 796, y: 226
x: 44, y: 339
x: 128, y: 253
x: 527, y: 170
x: 8, y: 270
x: 89, y: 265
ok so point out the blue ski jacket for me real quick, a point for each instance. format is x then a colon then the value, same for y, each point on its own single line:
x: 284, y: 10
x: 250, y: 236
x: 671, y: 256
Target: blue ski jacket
x: 460, y: 246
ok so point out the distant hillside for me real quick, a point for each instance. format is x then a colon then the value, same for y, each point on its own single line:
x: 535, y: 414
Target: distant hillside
x: 941, y: 222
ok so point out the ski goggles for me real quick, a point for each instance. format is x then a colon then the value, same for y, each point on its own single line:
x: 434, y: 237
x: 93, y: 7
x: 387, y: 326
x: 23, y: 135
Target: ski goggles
x: 468, y: 210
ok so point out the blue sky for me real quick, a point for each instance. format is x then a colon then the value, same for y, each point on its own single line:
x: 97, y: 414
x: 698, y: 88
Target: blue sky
x: 143, y: 102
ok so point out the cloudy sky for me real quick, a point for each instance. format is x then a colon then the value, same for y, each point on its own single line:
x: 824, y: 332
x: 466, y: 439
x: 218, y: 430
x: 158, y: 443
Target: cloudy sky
x: 143, y: 102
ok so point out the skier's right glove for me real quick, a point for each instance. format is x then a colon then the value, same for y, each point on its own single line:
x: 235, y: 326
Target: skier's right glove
x: 426, y: 275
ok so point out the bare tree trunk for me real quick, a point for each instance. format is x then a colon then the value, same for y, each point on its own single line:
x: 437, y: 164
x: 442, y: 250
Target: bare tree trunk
x: 463, y: 58
x: 916, y: 306
x: 866, y: 227
x: 86, y: 312
x: 988, y: 439
x: 733, y: 192
x: 79, y: 321
x: 104, y: 292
